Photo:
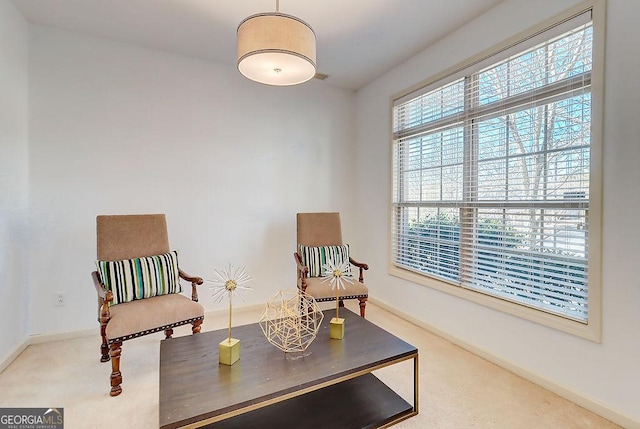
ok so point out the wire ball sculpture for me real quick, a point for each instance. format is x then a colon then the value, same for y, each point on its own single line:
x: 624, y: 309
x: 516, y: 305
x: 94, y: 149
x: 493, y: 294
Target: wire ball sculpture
x: 291, y: 320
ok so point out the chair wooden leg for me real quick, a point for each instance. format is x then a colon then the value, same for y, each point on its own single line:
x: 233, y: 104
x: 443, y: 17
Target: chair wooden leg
x: 104, y: 348
x: 168, y: 333
x: 196, y: 327
x: 363, y: 304
x: 116, y: 375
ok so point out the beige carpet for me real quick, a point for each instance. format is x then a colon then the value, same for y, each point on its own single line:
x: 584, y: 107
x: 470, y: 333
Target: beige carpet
x: 457, y: 389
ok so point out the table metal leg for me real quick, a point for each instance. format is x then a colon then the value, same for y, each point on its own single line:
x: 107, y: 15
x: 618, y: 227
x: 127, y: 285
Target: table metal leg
x: 415, y: 384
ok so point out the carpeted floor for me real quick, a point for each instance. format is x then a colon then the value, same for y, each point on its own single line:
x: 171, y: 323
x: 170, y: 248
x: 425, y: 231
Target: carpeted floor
x: 458, y: 390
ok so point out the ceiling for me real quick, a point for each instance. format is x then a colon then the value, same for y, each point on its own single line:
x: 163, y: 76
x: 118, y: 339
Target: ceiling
x: 357, y: 40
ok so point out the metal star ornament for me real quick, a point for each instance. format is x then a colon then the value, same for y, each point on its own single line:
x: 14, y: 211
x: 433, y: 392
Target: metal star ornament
x: 336, y: 274
x: 226, y: 283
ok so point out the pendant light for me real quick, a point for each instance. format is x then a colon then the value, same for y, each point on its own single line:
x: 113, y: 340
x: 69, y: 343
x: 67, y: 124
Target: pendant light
x: 276, y: 49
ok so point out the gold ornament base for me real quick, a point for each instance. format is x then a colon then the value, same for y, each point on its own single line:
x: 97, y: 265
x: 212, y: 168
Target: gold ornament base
x: 336, y: 328
x: 229, y: 351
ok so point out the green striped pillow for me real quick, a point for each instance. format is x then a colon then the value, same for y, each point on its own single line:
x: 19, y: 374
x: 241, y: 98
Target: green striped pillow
x: 316, y: 257
x: 140, y: 278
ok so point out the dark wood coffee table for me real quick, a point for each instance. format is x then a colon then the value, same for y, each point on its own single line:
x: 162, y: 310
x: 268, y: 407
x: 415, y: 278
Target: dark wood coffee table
x: 328, y: 385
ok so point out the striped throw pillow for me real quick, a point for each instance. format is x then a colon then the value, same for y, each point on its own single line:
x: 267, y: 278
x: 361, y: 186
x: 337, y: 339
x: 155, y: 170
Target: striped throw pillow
x: 316, y: 257
x: 140, y: 278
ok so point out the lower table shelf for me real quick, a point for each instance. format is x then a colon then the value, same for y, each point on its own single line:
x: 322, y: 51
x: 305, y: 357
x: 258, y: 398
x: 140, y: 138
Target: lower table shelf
x: 362, y: 402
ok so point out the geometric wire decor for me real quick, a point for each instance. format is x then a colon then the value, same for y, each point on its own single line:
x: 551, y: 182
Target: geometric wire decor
x: 291, y: 320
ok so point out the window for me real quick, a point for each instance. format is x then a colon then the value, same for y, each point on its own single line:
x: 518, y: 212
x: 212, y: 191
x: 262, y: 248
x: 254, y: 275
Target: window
x: 494, y: 177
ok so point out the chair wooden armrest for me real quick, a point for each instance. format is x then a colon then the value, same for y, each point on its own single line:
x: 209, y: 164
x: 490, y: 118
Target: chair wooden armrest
x: 195, y: 281
x: 360, y: 265
x: 303, y: 271
x: 100, y: 288
x: 301, y: 268
x: 104, y: 296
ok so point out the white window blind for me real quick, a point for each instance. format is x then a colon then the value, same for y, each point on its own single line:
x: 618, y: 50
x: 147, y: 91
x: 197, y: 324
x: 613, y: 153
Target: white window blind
x: 491, y: 174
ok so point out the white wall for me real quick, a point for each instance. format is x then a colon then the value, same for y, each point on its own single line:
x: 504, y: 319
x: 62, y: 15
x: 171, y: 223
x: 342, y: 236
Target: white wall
x: 122, y: 129
x: 604, y: 374
x: 13, y: 177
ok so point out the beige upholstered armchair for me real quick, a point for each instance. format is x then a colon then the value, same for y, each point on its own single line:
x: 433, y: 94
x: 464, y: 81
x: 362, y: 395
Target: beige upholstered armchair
x: 318, y: 234
x: 138, y: 281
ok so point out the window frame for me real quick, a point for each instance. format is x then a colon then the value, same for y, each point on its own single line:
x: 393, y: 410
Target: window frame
x: 592, y: 329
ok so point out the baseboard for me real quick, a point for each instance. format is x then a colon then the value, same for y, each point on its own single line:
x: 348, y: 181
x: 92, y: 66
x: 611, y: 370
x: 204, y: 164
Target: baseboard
x: 13, y: 354
x: 60, y: 336
x: 236, y: 309
x: 580, y: 399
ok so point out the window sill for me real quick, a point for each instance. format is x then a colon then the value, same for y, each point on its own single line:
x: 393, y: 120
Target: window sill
x: 590, y: 331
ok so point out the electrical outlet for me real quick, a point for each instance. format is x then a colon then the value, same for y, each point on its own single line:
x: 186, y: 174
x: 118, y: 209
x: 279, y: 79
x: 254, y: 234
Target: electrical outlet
x: 59, y: 299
